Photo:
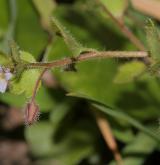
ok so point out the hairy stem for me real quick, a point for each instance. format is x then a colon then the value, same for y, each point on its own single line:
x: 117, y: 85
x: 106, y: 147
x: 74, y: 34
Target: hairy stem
x: 89, y: 56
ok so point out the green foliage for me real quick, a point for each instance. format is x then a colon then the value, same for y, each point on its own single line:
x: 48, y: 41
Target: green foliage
x: 70, y: 150
x: 67, y: 132
x: 75, y: 47
x: 5, y: 60
x: 30, y: 36
x: 118, y: 114
x: 39, y: 137
x: 116, y: 7
x: 129, y: 72
x: 15, y: 55
x: 27, y: 81
x: 136, y: 151
x: 45, y: 9
x: 153, y: 39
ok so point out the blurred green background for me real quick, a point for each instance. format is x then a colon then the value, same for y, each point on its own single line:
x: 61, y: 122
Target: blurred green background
x: 67, y: 132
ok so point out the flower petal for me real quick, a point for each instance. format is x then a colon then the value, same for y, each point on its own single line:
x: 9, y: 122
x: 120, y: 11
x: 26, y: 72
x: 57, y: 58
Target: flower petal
x: 8, y: 76
x: 3, y: 85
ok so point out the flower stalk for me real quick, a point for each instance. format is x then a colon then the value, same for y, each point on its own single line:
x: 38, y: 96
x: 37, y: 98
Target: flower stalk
x: 32, y: 111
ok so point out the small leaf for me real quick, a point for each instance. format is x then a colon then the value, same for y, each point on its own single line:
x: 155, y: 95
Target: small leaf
x: 153, y: 39
x: 129, y: 71
x: 15, y: 54
x: 28, y: 78
x: 75, y: 47
x: 26, y: 56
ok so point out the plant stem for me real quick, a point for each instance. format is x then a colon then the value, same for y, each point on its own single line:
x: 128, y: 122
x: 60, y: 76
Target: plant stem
x: 37, y: 84
x: 123, y: 28
x: 106, y: 132
x: 89, y: 56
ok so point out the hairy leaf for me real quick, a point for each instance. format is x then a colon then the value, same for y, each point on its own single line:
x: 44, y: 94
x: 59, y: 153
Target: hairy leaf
x: 27, y: 81
x: 75, y: 47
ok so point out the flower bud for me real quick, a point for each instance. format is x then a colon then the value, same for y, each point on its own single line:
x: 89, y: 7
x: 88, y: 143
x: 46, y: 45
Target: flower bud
x: 31, y: 113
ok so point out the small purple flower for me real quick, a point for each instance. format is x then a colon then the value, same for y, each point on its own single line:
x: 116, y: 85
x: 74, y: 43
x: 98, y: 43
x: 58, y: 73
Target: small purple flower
x: 5, y: 76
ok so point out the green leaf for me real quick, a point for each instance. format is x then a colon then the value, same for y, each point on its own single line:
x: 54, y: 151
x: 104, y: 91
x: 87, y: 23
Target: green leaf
x: 39, y: 137
x: 123, y: 116
x: 1, y: 33
x: 137, y: 151
x: 76, y: 145
x: 118, y: 115
x: 45, y: 9
x: 30, y: 36
x: 95, y: 78
x: 4, y: 16
x: 116, y: 7
x: 15, y: 54
x: 124, y: 135
x: 75, y: 47
x: 75, y: 155
x: 153, y: 39
x: 5, y: 60
x: 58, y: 114
x: 18, y: 101
x: 70, y: 149
x: 26, y: 56
x: 27, y: 81
x: 4, y: 22
x: 129, y: 71
x: 45, y: 101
